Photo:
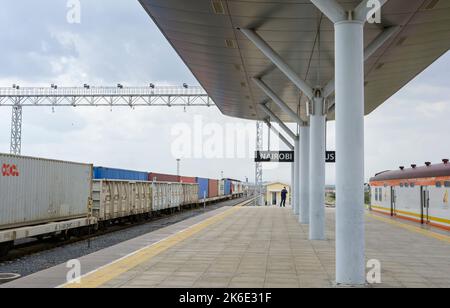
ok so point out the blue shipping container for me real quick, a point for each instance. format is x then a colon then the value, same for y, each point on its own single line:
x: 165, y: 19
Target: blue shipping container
x: 227, y: 187
x: 101, y: 173
x: 203, y: 188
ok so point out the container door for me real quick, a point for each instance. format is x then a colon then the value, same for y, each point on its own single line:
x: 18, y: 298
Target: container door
x: 393, y: 201
x: 425, y: 202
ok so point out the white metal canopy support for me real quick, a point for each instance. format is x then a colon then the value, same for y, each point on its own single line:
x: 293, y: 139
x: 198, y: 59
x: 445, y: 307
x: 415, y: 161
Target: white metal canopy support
x: 277, y: 100
x: 370, y: 50
x: 278, y: 61
x: 273, y: 116
x: 349, y: 106
x: 350, y: 243
x: 332, y: 9
x: 317, y: 170
x: 278, y: 133
x: 296, y: 191
x: 304, y: 174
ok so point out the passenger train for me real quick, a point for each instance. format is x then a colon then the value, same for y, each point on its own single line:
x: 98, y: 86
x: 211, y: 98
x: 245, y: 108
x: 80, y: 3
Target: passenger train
x: 418, y: 194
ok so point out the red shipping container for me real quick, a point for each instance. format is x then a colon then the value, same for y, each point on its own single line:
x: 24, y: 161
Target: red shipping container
x: 213, y: 188
x: 160, y: 177
x: 188, y: 180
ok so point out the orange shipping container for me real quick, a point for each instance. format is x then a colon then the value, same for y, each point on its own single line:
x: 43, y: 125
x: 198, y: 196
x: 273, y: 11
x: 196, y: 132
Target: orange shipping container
x: 213, y: 188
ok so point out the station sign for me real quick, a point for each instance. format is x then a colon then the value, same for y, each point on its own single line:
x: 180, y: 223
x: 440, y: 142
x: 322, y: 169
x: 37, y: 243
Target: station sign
x: 287, y: 157
x: 330, y: 157
x: 274, y: 157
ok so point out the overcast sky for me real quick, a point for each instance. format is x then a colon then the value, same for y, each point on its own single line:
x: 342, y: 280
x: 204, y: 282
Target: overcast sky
x: 117, y: 42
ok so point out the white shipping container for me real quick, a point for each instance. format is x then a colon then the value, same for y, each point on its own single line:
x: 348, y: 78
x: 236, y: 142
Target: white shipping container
x: 190, y: 193
x: 221, y: 188
x: 36, y: 190
x: 120, y: 198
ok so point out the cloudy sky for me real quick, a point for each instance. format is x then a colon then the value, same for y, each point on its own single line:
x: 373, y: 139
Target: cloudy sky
x: 117, y: 42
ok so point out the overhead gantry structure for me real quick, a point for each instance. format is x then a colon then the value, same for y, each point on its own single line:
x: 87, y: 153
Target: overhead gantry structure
x: 18, y: 97
x: 307, y: 62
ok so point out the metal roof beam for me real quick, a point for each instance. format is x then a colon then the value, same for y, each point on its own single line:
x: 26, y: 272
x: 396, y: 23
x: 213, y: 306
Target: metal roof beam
x: 376, y: 44
x: 277, y: 100
x: 379, y: 41
x: 272, y: 115
x: 276, y: 132
x: 332, y: 9
x: 276, y: 59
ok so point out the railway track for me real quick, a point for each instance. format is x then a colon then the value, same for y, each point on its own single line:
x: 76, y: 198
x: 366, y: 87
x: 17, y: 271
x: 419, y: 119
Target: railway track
x: 36, y: 246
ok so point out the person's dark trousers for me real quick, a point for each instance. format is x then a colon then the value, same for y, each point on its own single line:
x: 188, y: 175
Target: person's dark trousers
x: 283, y: 203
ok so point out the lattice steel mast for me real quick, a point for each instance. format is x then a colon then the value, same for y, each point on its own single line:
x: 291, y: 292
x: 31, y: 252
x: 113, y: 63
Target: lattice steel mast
x: 16, y: 130
x: 258, y: 166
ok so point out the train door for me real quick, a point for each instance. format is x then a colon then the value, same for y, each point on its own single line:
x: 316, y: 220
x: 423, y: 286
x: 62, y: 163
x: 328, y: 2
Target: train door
x: 425, y: 205
x: 393, y: 201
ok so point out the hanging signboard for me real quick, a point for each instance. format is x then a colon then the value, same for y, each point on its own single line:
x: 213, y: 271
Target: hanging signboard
x: 330, y: 157
x: 274, y: 157
x: 287, y: 157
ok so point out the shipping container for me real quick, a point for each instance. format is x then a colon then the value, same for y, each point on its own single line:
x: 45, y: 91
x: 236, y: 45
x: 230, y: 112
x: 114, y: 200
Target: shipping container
x: 190, y: 193
x: 117, y: 198
x: 35, y: 190
x: 161, y: 177
x: 227, y: 187
x: 102, y: 173
x: 222, y: 188
x: 161, y: 195
x: 213, y: 188
x: 202, y: 188
x: 188, y: 179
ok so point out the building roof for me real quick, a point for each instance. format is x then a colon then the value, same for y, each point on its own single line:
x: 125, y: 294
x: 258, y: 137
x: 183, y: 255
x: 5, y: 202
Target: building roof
x: 438, y: 170
x: 205, y: 34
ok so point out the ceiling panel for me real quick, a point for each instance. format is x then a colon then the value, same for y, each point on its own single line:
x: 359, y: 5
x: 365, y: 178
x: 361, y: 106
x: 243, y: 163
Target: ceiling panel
x: 224, y: 61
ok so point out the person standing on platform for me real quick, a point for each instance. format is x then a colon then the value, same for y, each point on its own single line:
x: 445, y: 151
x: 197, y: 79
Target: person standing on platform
x: 284, y: 193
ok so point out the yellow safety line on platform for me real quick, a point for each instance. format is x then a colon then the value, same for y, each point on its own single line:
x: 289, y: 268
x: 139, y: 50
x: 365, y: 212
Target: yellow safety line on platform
x: 110, y: 271
x: 438, y: 236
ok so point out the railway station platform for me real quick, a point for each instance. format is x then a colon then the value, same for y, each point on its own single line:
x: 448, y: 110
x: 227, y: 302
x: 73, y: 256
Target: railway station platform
x: 254, y: 247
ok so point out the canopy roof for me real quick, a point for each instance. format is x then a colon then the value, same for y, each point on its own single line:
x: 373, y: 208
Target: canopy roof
x: 205, y: 34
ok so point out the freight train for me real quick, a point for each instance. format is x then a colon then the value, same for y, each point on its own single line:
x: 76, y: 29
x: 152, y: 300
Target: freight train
x: 418, y: 194
x: 42, y: 197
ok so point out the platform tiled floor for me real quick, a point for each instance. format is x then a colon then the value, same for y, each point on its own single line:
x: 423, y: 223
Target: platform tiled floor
x: 266, y: 247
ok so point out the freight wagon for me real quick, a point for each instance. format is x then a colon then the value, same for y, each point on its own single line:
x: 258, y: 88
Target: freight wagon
x: 419, y: 194
x: 42, y: 196
x: 116, y: 199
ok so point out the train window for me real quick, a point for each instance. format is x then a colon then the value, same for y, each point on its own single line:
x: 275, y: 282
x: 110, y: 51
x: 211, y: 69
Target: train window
x: 376, y: 194
x: 412, y: 185
x: 438, y: 184
x: 406, y: 185
x: 447, y: 183
x: 401, y: 184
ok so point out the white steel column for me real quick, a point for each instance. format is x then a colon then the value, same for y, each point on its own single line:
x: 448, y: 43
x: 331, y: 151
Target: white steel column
x: 317, y: 171
x: 296, y: 194
x: 304, y: 174
x: 292, y: 185
x: 350, y: 245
